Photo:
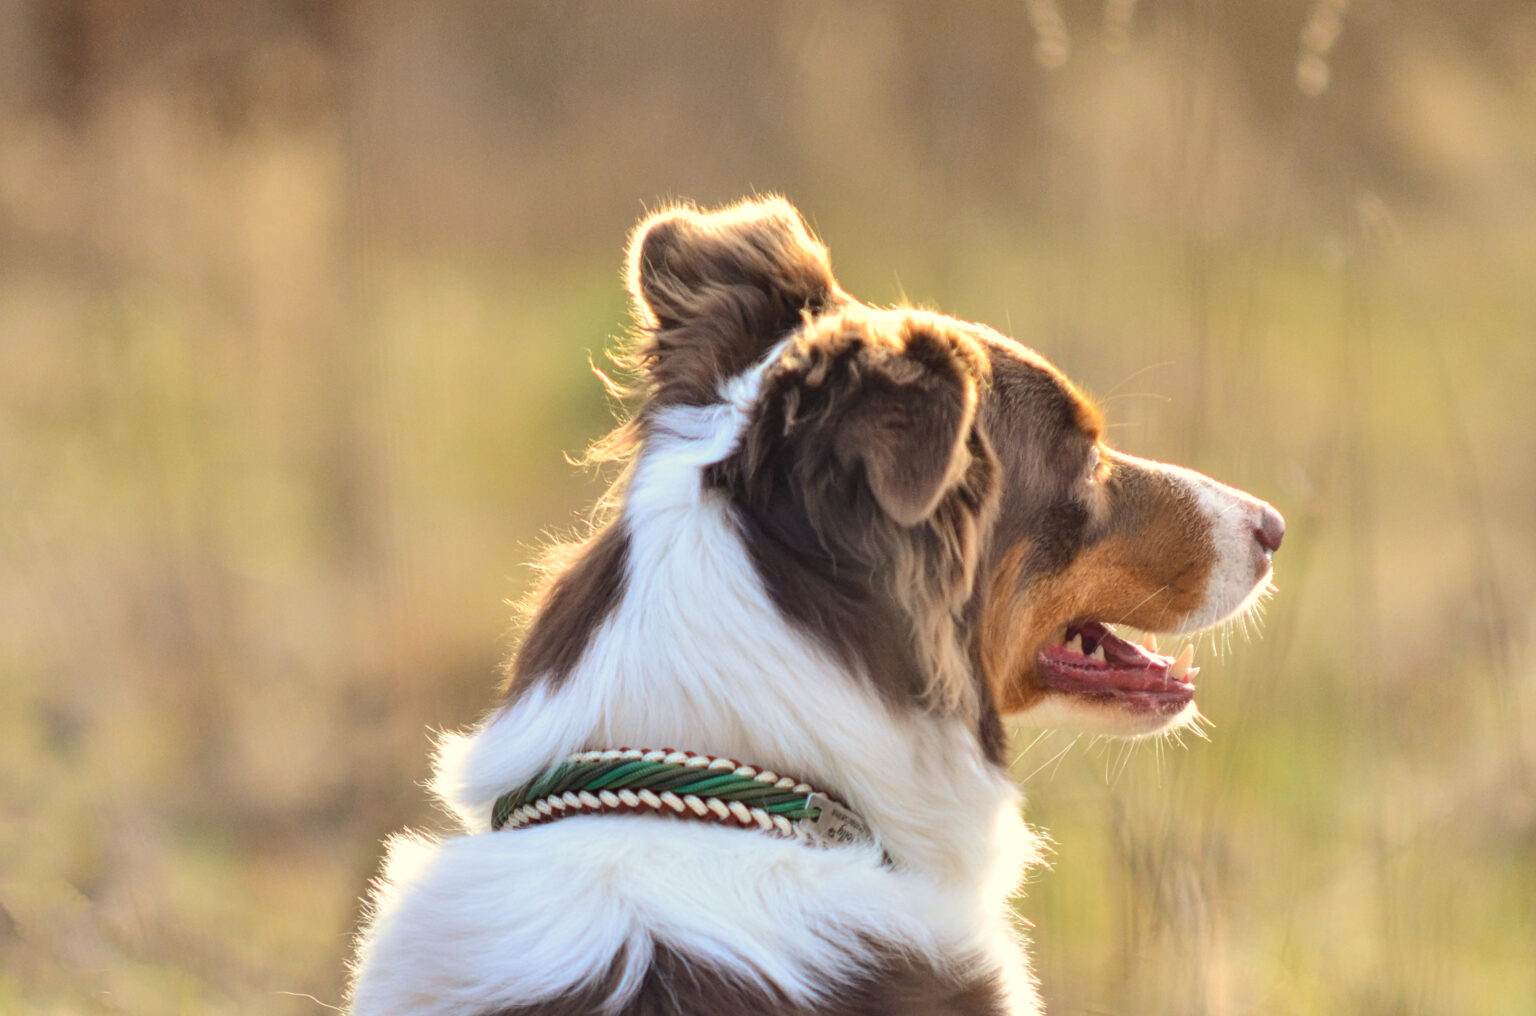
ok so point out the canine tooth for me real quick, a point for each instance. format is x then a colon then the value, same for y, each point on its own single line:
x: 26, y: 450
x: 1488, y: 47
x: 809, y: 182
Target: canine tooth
x: 1098, y: 654
x: 1181, y: 664
x: 1076, y: 645
x: 1149, y: 642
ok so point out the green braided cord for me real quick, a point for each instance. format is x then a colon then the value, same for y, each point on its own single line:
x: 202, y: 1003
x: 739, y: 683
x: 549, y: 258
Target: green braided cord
x: 541, y: 786
x: 717, y: 786
x: 792, y: 809
x: 503, y: 809
x: 658, y: 777
x: 617, y: 775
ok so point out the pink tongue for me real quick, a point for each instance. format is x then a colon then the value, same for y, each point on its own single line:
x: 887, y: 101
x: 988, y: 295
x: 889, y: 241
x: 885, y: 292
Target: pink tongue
x: 1117, y: 651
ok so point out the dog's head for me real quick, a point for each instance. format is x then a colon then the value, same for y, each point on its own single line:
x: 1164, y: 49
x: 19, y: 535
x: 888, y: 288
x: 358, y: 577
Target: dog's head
x: 929, y: 499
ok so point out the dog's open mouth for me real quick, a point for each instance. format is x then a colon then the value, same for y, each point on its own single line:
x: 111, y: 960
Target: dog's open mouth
x: 1089, y: 660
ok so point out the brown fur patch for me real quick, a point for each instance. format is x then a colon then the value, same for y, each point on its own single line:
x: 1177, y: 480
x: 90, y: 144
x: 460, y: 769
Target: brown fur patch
x: 864, y: 492
x: 886, y: 985
x: 1043, y: 429
x: 713, y: 290
x: 578, y: 596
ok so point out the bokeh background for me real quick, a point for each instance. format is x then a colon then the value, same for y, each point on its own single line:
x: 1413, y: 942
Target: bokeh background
x: 297, y: 306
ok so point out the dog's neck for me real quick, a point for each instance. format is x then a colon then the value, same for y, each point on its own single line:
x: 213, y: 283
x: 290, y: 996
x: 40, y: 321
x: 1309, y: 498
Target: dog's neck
x: 695, y: 656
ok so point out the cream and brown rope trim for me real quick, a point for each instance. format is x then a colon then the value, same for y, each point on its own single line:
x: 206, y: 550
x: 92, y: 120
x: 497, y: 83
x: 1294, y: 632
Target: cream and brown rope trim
x: 684, y: 784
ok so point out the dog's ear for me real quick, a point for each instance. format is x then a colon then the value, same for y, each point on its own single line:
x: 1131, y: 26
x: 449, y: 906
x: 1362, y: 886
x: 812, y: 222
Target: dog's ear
x: 898, y: 409
x: 682, y: 257
x: 713, y: 290
x: 909, y: 421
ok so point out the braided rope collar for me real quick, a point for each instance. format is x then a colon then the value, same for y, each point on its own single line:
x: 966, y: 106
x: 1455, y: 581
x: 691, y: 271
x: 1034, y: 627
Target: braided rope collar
x: 685, y: 784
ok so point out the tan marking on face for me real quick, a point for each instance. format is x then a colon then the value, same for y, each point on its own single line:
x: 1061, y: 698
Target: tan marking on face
x: 1003, y: 651
x: 1150, y: 571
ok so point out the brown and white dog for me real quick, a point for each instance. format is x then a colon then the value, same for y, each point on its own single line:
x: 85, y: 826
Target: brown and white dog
x: 849, y: 540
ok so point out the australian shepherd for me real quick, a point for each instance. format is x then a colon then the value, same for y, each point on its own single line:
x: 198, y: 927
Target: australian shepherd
x: 750, y: 754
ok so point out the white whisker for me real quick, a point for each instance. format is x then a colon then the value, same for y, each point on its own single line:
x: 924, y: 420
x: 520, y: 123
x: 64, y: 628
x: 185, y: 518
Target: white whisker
x: 1056, y: 758
x: 1030, y: 747
x: 1144, y: 601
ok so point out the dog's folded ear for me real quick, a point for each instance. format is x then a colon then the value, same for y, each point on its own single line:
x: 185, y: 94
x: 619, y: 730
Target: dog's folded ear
x: 714, y: 289
x: 909, y: 412
x: 895, y: 409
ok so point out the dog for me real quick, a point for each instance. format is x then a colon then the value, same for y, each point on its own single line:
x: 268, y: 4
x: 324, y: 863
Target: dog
x: 750, y: 754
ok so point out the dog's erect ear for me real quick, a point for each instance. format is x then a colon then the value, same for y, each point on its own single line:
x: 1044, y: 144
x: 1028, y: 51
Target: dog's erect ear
x: 679, y: 257
x: 909, y: 420
x: 714, y: 289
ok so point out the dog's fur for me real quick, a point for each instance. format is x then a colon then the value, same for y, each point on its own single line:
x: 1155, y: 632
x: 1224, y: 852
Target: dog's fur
x: 848, y: 541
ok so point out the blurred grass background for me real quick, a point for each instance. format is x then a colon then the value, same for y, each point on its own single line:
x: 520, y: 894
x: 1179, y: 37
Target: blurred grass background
x: 296, y: 306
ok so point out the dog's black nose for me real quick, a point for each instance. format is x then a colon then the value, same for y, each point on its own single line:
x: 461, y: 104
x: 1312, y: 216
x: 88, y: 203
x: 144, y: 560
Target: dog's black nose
x: 1270, y: 530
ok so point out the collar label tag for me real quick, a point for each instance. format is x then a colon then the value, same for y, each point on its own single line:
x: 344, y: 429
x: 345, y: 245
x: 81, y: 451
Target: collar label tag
x: 836, y: 826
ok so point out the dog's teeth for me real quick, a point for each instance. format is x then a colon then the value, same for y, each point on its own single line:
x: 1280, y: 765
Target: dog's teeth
x: 1149, y: 642
x: 1181, y: 665
x: 1098, y: 654
x: 1191, y: 673
x: 1076, y: 645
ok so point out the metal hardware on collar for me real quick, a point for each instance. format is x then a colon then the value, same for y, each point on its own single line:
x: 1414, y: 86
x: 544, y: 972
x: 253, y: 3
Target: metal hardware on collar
x: 834, y: 824
x: 687, y: 785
